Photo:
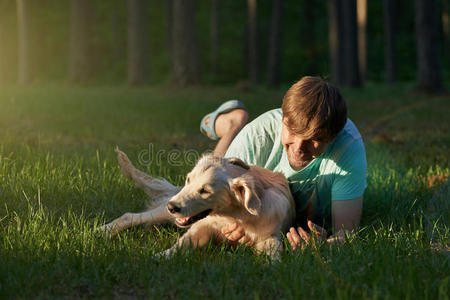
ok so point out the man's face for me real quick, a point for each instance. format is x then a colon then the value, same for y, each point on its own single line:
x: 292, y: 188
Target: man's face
x: 300, y: 151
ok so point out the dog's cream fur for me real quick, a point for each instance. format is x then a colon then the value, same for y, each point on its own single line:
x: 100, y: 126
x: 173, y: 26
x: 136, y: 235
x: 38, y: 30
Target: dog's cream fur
x: 230, y: 190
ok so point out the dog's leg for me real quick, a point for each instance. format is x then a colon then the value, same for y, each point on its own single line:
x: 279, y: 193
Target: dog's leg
x: 158, y: 189
x: 158, y: 214
x: 271, y: 247
x: 195, y: 237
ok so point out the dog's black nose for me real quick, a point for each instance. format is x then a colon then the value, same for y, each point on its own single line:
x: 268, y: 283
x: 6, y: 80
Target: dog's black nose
x: 173, y: 208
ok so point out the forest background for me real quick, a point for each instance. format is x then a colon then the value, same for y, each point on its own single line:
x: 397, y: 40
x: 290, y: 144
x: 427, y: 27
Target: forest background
x: 79, y: 77
x: 222, y: 42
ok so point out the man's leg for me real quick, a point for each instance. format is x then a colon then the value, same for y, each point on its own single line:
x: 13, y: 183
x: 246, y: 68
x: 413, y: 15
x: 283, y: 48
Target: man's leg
x: 227, y: 126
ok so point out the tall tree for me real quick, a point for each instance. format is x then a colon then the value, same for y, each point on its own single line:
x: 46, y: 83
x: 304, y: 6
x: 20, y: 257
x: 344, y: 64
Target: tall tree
x: 214, y: 36
x: 81, y: 31
x: 446, y: 22
x: 273, y: 64
x: 137, y: 42
x: 429, y: 71
x: 389, y: 37
x: 309, y: 34
x: 3, y: 42
x: 335, y: 38
x: 184, y: 43
x: 169, y: 25
x: 252, y: 42
x: 23, y: 26
x: 350, y: 44
x: 343, y: 42
x: 362, y: 37
x: 116, y: 47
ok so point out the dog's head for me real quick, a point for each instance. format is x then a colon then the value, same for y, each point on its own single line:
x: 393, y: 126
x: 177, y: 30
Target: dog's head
x: 215, y: 185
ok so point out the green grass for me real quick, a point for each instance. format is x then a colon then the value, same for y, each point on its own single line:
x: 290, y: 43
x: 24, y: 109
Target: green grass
x: 59, y: 180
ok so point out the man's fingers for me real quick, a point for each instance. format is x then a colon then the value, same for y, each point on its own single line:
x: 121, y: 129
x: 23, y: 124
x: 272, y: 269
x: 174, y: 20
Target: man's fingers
x: 227, y: 229
x: 233, y: 232
x: 304, y: 235
x: 245, y: 240
x: 236, y: 235
x: 320, y: 231
x: 291, y: 241
x: 293, y: 238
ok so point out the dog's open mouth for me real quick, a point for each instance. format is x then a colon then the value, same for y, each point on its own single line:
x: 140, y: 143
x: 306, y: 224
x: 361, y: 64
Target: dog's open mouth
x: 186, y: 221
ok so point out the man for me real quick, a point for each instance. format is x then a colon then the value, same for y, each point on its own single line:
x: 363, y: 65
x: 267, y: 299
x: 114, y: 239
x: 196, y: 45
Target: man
x: 313, y: 143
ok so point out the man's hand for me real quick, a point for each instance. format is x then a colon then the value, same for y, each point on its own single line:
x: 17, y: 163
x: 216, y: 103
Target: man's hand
x: 301, y: 238
x: 235, y: 234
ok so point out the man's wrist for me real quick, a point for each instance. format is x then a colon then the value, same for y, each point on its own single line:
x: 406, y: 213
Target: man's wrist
x: 340, y: 236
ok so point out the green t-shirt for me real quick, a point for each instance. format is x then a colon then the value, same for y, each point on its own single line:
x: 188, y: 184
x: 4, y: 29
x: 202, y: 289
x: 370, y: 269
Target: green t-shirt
x: 338, y: 174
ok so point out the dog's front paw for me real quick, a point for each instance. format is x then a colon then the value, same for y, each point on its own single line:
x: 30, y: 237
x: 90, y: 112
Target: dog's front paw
x: 164, y: 254
x: 275, y: 256
x: 106, y: 229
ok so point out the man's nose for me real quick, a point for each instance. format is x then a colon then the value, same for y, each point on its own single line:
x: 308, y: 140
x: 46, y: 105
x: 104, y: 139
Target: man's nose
x: 299, y: 144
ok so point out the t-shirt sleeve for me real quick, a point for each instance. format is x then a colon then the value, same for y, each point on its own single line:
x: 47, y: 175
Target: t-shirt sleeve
x: 350, y: 181
x: 254, y: 143
x: 241, y: 147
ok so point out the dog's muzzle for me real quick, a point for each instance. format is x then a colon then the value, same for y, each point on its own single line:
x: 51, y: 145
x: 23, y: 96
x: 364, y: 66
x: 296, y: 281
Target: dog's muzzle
x: 186, y: 221
x: 173, y: 209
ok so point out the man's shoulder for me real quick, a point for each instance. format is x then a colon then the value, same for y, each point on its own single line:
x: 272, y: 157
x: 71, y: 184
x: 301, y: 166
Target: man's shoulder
x: 266, y: 125
x: 348, y: 145
x: 351, y: 130
x: 255, y: 142
x: 347, y: 137
x: 271, y: 116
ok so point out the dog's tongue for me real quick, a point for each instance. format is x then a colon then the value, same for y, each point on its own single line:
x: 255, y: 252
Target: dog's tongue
x: 183, y: 220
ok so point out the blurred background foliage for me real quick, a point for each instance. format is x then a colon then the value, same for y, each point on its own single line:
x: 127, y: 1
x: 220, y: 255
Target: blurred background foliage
x: 304, y: 49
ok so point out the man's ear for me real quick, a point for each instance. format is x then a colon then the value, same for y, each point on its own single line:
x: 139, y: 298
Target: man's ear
x: 244, y: 191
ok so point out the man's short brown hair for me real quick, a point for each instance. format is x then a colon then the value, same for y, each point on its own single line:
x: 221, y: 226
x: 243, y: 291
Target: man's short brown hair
x: 314, y: 109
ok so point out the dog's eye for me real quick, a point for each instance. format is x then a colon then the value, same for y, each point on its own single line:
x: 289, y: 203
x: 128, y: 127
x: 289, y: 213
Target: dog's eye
x: 187, y: 180
x: 202, y: 191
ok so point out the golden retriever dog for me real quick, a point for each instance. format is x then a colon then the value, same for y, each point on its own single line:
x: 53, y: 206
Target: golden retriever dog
x: 217, y: 192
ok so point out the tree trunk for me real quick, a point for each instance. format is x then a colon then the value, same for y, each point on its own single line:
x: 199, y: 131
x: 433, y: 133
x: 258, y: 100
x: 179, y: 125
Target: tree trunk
x: 185, y: 60
x: 23, y: 24
x: 389, y: 36
x: 310, y: 17
x: 350, y: 44
x: 334, y: 39
x: 362, y: 39
x: 169, y: 26
x: 80, y: 57
x: 3, y: 43
x: 252, y: 42
x: 116, y: 49
x: 446, y: 22
x: 343, y: 42
x: 214, y: 36
x: 429, y: 72
x: 137, y: 42
x: 273, y: 64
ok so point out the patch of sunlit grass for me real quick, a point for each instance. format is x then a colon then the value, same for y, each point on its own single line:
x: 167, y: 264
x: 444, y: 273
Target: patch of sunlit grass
x: 59, y: 180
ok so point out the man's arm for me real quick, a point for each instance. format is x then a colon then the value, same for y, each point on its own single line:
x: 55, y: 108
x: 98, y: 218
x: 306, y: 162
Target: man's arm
x: 346, y: 215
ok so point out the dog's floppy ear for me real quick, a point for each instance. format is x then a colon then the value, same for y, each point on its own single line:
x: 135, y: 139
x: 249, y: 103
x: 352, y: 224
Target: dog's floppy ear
x: 237, y: 162
x: 244, y: 191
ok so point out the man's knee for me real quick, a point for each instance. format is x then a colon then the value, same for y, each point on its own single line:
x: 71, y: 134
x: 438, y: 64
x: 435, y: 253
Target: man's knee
x: 231, y: 122
x: 238, y: 118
